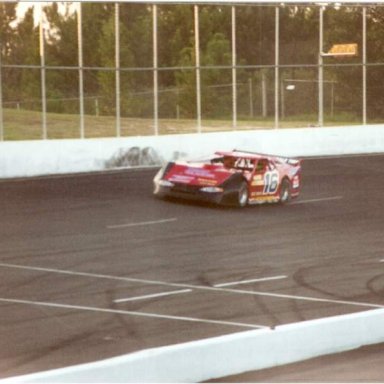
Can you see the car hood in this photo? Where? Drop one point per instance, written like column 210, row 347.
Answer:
column 197, row 174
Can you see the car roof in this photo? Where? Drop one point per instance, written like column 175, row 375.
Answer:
column 245, row 155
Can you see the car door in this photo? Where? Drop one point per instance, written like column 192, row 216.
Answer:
column 265, row 181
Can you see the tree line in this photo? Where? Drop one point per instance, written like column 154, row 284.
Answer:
column 255, row 51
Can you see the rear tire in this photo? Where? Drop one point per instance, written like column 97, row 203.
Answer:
column 242, row 195
column 285, row 191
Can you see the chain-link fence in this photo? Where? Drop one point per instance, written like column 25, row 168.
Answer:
column 192, row 68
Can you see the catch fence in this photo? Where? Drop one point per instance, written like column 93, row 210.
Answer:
column 256, row 65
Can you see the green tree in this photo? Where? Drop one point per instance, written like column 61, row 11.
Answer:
column 186, row 83
column 255, row 34
column 217, row 94
column 8, row 34
column 215, row 52
column 299, row 35
column 26, row 52
column 107, row 78
column 61, row 50
column 136, row 31
column 375, row 54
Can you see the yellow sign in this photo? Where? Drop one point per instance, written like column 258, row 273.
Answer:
column 343, row 49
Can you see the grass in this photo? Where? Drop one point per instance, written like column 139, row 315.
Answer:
column 27, row 125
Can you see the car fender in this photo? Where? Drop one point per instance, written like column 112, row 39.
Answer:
column 231, row 187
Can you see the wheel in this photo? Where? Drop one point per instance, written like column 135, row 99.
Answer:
column 285, row 191
column 242, row 196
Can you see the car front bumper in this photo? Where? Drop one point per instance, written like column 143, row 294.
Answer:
column 188, row 192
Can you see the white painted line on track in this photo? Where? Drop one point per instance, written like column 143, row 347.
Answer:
column 153, row 296
column 193, row 287
column 132, row 313
column 250, row 281
column 317, row 200
column 141, row 223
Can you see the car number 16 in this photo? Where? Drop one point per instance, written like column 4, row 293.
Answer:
column 271, row 182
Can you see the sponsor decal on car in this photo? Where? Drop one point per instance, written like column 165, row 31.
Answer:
column 206, row 181
column 199, row 172
column 180, row 178
column 263, row 199
column 258, row 180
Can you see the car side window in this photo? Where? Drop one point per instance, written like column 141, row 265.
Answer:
column 262, row 166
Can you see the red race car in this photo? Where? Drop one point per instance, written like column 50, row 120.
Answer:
column 236, row 177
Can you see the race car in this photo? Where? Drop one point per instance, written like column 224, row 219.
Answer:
column 234, row 177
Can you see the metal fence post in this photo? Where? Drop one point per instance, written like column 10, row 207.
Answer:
column 43, row 82
column 81, row 81
column 155, row 73
column 277, row 43
column 117, row 65
column 364, row 59
column 234, row 77
column 1, row 96
column 197, row 54
column 321, row 69
column 250, row 91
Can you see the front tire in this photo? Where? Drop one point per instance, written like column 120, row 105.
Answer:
column 243, row 195
column 285, row 191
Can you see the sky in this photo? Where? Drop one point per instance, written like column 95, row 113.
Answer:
column 23, row 6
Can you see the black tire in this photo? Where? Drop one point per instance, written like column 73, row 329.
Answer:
column 242, row 195
column 285, row 191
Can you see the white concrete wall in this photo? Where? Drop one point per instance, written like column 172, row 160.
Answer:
column 226, row 355
column 32, row 158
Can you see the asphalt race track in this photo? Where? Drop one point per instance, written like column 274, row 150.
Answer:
column 93, row 266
